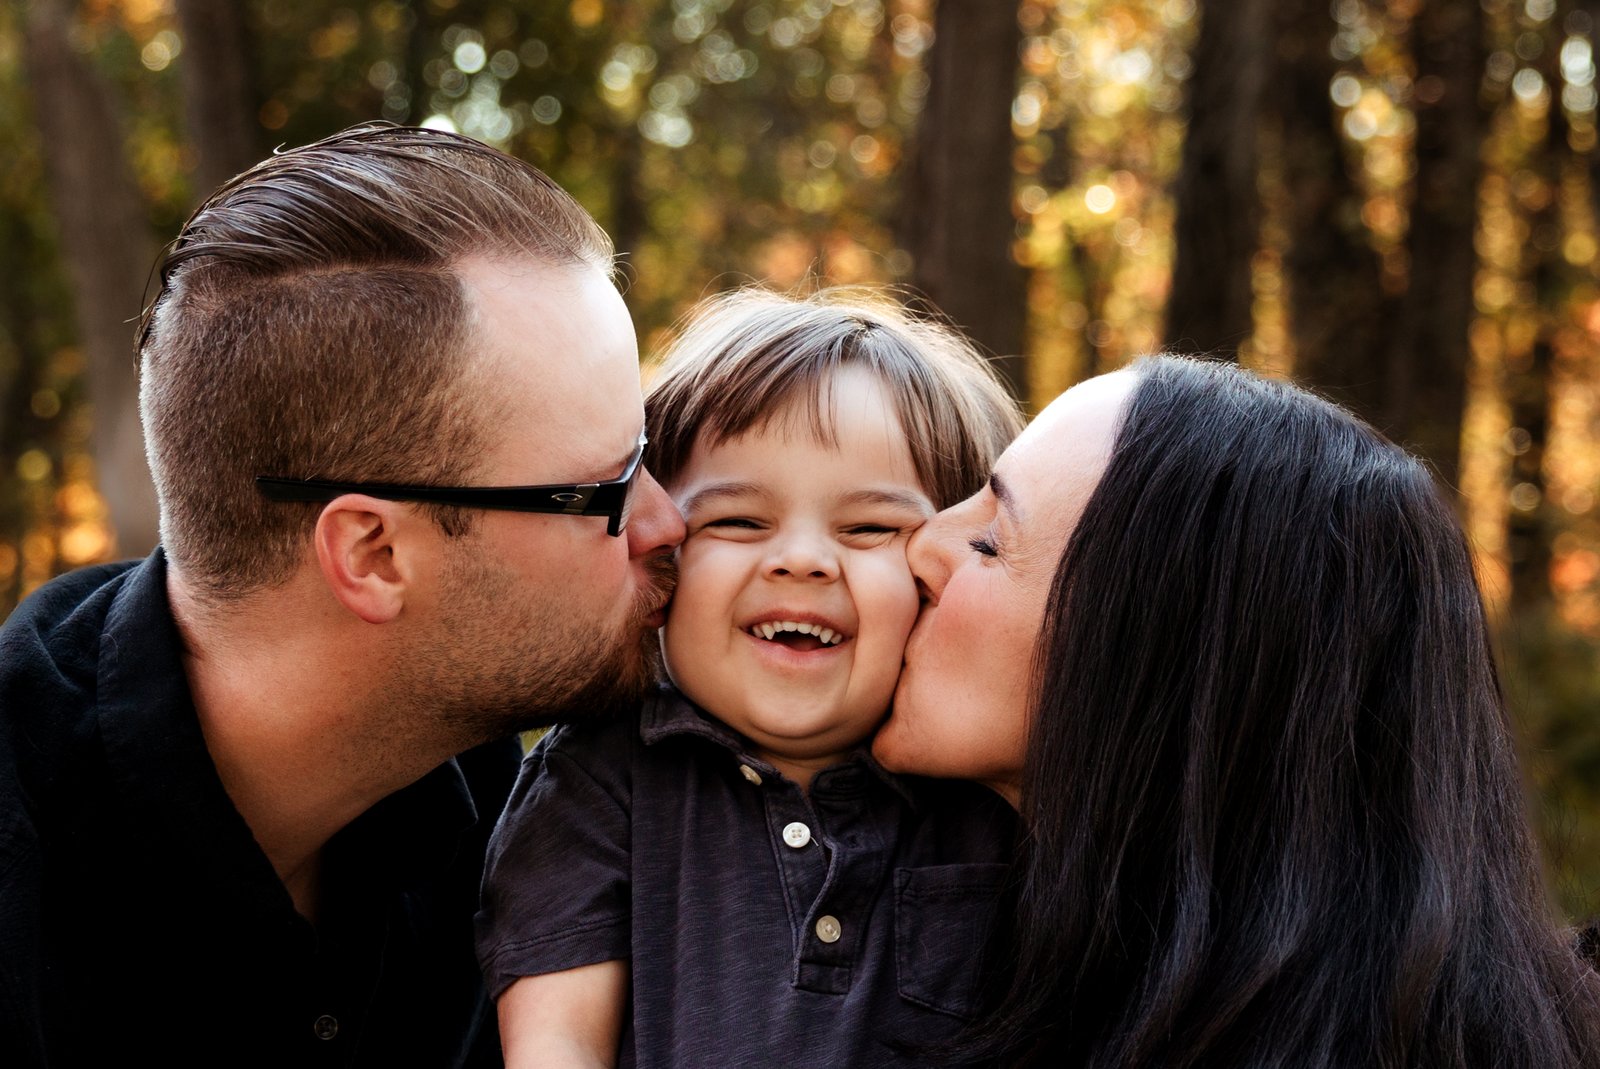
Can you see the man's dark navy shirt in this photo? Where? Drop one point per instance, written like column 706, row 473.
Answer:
column 140, row 921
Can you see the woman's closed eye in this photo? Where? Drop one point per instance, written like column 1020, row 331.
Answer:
column 985, row 545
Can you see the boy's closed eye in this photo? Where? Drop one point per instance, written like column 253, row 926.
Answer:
column 853, row 534
column 875, row 533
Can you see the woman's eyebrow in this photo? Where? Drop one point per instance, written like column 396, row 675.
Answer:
column 721, row 491
column 1002, row 494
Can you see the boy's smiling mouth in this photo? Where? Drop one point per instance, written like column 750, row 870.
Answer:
column 799, row 635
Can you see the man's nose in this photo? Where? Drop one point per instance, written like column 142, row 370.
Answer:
column 654, row 524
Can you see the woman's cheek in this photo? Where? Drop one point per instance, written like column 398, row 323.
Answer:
column 964, row 676
column 911, row 740
column 889, row 744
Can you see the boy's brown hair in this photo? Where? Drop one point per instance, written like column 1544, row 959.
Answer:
column 310, row 324
column 746, row 357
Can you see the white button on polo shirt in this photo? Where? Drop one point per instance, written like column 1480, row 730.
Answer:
column 797, row 835
column 828, row 929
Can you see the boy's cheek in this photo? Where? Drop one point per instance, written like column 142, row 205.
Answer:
column 891, row 617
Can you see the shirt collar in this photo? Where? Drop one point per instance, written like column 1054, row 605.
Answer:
column 667, row 714
column 164, row 777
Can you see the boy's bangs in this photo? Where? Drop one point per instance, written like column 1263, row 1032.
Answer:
column 753, row 360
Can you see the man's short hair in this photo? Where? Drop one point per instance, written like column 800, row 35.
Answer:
column 310, row 324
column 748, row 357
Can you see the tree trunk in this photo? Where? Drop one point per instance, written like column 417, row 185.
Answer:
column 1336, row 301
column 219, row 98
column 1530, row 376
column 628, row 219
column 1591, row 8
column 957, row 220
column 1218, row 228
column 1528, row 528
column 108, row 249
column 19, row 317
column 1429, row 351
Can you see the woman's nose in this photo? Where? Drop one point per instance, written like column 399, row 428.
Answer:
column 803, row 555
column 927, row 556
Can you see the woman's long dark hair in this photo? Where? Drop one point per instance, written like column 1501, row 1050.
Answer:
column 1275, row 817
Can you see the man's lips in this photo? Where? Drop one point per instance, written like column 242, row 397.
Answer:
column 661, row 573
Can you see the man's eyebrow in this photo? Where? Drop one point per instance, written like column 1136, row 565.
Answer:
column 614, row 468
column 894, row 498
column 721, row 491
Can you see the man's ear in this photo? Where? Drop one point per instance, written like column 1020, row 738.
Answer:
column 361, row 550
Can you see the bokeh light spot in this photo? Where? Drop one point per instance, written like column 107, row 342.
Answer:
column 469, row 57
column 33, row 465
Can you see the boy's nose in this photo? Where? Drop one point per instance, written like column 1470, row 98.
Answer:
column 803, row 557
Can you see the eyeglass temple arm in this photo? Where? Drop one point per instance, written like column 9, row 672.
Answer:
column 587, row 499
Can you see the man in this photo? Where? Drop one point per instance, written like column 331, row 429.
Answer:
column 234, row 825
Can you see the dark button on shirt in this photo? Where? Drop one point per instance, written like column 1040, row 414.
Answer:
column 139, row 920
column 667, row 842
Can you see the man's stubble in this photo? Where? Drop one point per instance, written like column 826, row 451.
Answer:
column 507, row 659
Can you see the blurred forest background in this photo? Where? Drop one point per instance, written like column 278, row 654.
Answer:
column 1393, row 202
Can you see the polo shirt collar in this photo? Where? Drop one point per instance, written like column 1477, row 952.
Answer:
column 667, row 714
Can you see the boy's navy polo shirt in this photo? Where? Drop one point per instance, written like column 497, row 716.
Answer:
column 762, row 928
column 139, row 920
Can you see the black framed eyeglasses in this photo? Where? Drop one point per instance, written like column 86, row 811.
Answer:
column 612, row 498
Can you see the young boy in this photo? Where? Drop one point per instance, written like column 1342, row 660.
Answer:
column 773, row 896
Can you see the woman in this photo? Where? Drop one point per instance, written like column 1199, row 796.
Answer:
column 1273, row 811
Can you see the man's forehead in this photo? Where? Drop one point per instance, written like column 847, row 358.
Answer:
column 559, row 355
column 559, row 313
column 507, row 284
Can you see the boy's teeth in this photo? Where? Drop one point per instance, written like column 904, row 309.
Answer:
column 827, row 635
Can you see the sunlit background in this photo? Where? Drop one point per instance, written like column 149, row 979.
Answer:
column 794, row 142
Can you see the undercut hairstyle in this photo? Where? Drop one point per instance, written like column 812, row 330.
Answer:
column 1274, row 816
column 310, row 324
column 752, row 356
